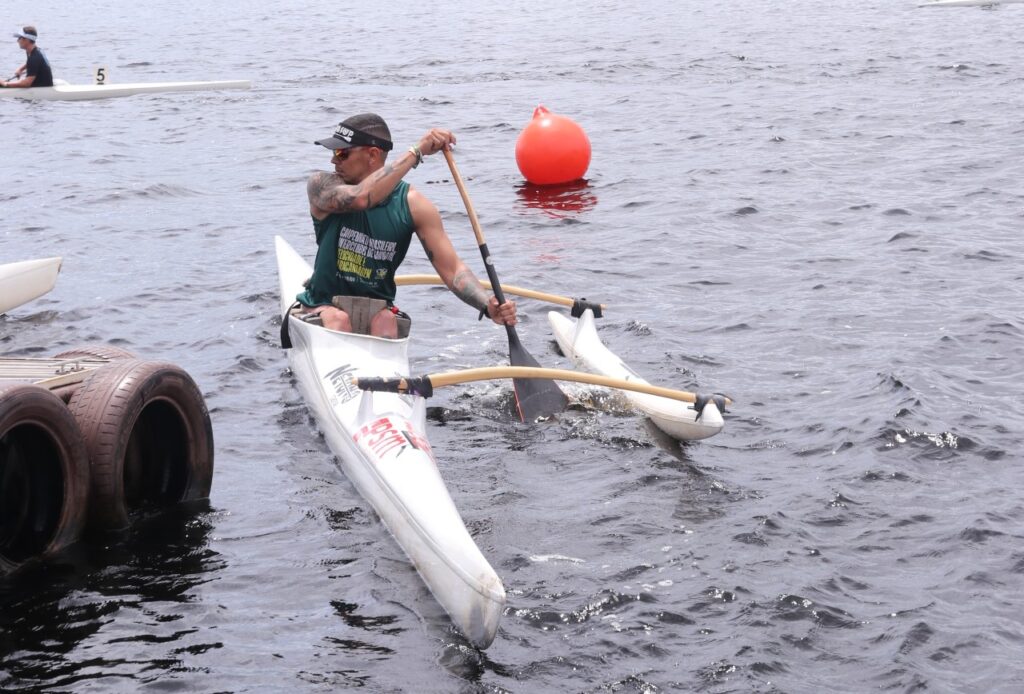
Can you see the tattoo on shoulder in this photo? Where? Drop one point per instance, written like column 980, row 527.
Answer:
column 316, row 184
column 328, row 192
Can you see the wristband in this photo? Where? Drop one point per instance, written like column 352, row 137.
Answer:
column 418, row 154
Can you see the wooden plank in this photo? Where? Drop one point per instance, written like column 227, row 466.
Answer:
column 49, row 373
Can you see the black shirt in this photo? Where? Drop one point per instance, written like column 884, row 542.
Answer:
column 38, row 65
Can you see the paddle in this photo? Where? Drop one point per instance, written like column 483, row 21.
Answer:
column 424, row 385
column 578, row 305
column 536, row 397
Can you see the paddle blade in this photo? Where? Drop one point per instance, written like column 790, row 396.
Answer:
column 535, row 397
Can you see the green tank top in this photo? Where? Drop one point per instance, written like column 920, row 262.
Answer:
column 358, row 253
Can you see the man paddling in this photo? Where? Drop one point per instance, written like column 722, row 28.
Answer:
column 364, row 218
column 36, row 68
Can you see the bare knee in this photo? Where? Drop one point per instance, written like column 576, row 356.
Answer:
column 384, row 324
column 335, row 319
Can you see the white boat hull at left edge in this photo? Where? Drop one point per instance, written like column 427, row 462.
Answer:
column 579, row 342
column 24, row 281
column 381, row 443
column 86, row 92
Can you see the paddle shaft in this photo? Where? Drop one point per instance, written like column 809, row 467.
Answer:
column 534, row 399
column 492, row 274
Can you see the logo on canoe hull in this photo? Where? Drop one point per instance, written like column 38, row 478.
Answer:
column 340, row 381
column 386, row 438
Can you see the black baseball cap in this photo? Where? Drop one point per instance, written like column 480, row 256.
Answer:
column 363, row 130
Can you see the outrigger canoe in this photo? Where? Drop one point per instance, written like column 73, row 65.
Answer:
column 26, row 280
column 580, row 342
column 381, row 442
column 85, row 92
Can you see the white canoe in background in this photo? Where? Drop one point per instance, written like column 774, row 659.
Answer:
column 26, row 280
column 84, row 92
column 580, row 343
column 967, row 3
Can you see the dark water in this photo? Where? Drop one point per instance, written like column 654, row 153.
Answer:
column 813, row 207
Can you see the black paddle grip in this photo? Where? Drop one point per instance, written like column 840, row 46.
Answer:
column 420, row 386
column 492, row 274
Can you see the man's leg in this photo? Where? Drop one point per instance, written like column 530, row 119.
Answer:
column 331, row 317
column 384, row 324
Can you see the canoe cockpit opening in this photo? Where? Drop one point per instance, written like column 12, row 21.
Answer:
column 361, row 312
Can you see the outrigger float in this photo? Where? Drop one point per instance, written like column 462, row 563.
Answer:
column 684, row 420
column 681, row 415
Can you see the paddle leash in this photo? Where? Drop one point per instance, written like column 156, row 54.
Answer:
column 535, row 397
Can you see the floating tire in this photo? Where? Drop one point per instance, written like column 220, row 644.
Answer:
column 44, row 476
column 148, row 437
column 108, row 352
column 102, row 352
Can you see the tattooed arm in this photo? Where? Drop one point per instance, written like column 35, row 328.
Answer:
column 328, row 192
column 442, row 255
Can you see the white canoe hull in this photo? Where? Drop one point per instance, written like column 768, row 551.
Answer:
column 85, row 92
column 579, row 342
column 381, row 444
column 26, row 280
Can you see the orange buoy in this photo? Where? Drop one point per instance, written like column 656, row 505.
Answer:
column 552, row 149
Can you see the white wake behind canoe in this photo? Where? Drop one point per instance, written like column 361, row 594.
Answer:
column 381, row 443
column 85, row 92
column 579, row 342
column 24, row 281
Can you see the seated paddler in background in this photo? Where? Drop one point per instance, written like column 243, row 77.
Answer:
column 364, row 217
column 36, row 68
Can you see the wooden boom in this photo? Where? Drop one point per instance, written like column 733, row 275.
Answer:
column 424, row 385
column 406, row 280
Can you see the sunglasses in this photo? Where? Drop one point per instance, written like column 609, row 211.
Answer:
column 343, row 154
